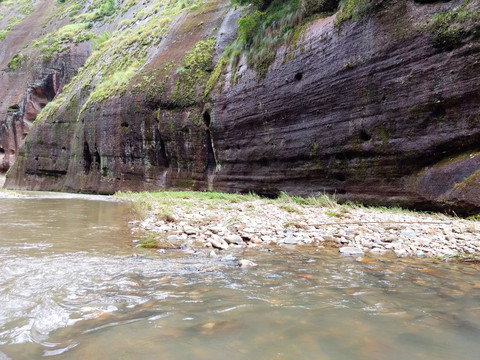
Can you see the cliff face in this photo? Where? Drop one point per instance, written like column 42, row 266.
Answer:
column 380, row 104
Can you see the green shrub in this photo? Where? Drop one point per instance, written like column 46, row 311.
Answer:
column 16, row 61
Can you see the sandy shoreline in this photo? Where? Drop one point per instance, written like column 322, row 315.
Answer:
column 258, row 223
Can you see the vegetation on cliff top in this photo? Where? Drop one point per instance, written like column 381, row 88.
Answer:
column 269, row 24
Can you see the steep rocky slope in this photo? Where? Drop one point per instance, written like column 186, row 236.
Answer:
column 379, row 101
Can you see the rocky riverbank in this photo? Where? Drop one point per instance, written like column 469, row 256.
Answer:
column 223, row 221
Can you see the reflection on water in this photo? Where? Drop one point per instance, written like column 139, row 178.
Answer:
column 71, row 289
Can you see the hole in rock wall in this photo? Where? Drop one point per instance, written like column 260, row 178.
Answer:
column 2, row 150
column 298, row 76
column 87, row 158
column 439, row 110
column 364, row 136
column 340, row 177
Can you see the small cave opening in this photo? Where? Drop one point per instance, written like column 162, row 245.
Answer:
column 87, row 158
column 124, row 124
column 207, row 118
column 364, row 136
column 298, row 76
column 340, row 177
column 2, row 150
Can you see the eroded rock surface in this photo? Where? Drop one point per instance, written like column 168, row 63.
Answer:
column 383, row 109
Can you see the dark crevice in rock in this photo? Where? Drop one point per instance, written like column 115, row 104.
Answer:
column 207, row 118
column 364, row 136
column 87, row 158
column 97, row 159
column 347, row 155
column 51, row 173
column 298, row 76
column 160, row 151
column 211, row 161
column 340, row 177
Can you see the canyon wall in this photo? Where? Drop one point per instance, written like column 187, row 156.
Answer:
column 381, row 107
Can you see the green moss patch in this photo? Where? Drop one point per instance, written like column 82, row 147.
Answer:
column 195, row 70
column 451, row 27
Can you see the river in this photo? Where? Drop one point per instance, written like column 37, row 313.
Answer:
column 74, row 286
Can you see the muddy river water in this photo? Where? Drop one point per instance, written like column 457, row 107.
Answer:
column 74, row 286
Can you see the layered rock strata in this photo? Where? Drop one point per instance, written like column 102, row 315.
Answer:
column 382, row 108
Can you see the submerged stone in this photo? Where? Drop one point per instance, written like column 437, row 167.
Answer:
column 351, row 251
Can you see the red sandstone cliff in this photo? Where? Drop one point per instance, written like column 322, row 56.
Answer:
column 383, row 109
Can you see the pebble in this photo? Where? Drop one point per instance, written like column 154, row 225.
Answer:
column 378, row 251
column 234, row 239
column 229, row 257
column 291, row 240
column 247, row 263
column 351, row 251
column 219, row 244
column 172, row 238
column 189, row 230
column 400, row 252
column 407, row 232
